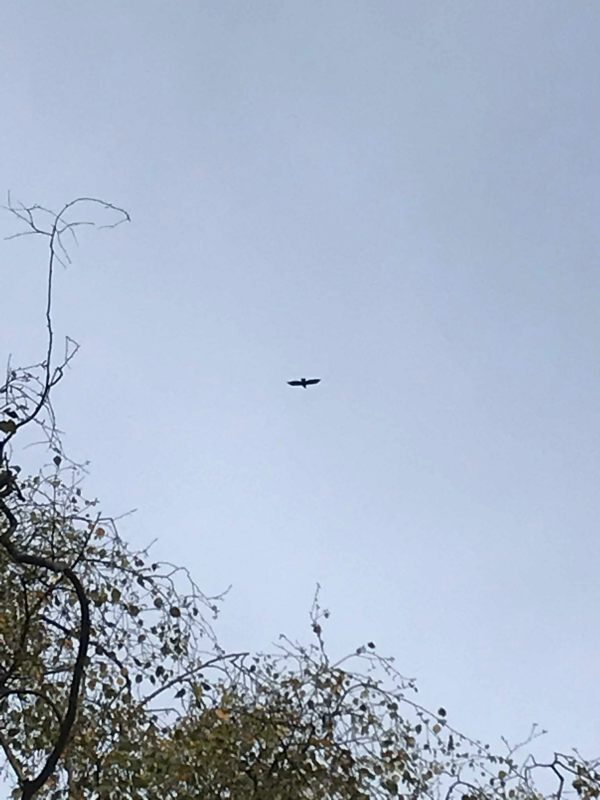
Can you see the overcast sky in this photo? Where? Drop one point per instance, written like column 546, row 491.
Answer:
column 401, row 198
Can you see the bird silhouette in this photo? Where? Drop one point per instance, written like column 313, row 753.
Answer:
column 304, row 382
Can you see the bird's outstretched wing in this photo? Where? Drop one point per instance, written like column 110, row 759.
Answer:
column 304, row 382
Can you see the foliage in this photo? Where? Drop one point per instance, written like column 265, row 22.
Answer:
column 113, row 685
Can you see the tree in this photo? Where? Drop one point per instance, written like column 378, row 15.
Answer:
column 112, row 681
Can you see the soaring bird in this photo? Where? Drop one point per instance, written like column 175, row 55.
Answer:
column 304, row 382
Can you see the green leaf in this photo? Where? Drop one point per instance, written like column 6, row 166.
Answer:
column 7, row 426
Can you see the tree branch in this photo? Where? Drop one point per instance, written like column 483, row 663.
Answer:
column 30, row 787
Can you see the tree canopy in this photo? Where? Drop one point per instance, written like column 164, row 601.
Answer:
column 112, row 680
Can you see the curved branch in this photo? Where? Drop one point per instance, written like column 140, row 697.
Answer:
column 188, row 674
column 36, row 693
column 30, row 787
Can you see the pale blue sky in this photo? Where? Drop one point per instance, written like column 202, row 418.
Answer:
column 400, row 197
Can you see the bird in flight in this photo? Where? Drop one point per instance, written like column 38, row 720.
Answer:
column 304, row 382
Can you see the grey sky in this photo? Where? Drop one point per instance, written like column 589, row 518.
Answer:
column 399, row 197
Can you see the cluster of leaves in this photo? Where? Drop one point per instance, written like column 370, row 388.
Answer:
column 144, row 631
column 294, row 725
column 113, row 685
